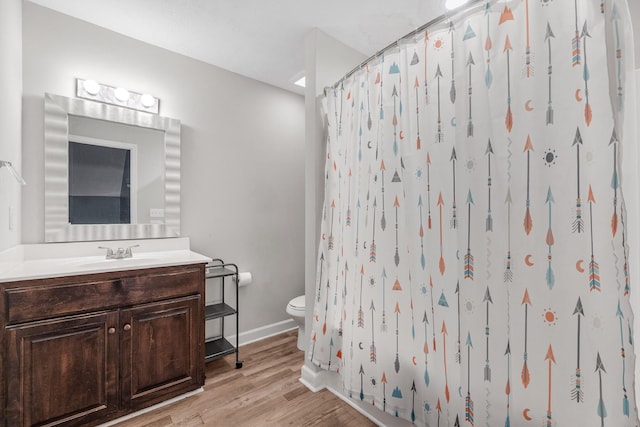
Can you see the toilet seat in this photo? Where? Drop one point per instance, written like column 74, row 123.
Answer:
column 297, row 305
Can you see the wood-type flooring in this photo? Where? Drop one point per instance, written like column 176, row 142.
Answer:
column 265, row 392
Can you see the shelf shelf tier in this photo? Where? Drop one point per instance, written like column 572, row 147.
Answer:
column 217, row 348
column 216, row 271
column 215, row 311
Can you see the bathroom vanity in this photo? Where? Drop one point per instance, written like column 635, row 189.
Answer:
column 87, row 333
column 107, row 339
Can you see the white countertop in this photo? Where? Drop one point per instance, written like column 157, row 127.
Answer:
column 25, row 262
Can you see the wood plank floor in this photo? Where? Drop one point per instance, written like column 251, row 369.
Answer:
column 265, row 392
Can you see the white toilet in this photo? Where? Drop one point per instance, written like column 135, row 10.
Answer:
column 296, row 309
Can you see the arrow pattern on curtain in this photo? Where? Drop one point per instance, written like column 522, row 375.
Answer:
column 512, row 227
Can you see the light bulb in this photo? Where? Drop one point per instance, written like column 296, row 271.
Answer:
column 91, row 86
column 122, row 94
column 147, row 100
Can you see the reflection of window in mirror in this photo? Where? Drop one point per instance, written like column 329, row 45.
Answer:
column 102, row 181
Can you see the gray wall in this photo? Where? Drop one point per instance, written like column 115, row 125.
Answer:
column 242, row 149
column 10, row 117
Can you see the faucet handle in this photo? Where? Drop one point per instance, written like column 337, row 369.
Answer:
column 109, row 251
column 128, row 252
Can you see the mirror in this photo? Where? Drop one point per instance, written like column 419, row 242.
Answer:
column 111, row 173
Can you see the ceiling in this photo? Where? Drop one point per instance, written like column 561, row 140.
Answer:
column 260, row 39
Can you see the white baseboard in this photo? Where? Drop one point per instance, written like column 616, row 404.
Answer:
column 313, row 378
column 257, row 334
column 376, row 416
column 316, row 380
column 152, row 408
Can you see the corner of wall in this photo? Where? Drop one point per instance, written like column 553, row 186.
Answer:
column 10, row 120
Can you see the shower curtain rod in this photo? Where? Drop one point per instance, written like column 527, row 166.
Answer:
column 431, row 23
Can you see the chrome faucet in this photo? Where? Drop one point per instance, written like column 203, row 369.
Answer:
column 119, row 253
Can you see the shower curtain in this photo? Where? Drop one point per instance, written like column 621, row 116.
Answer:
column 473, row 267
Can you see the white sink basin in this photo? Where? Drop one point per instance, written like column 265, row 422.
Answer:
column 138, row 260
column 67, row 259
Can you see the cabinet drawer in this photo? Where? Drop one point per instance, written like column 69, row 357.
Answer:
column 42, row 302
column 162, row 285
column 44, row 299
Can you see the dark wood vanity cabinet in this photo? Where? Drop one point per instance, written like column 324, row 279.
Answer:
column 85, row 349
column 154, row 361
column 61, row 371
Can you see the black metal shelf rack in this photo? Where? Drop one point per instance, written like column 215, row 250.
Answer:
column 219, row 346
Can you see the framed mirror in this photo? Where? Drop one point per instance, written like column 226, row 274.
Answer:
column 111, row 173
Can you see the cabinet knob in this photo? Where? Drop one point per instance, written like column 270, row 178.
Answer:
column 127, row 327
column 112, row 330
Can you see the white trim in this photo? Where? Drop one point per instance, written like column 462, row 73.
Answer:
column 257, row 334
column 317, row 380
column 152, row 408
column 375, row 415
column 314, row 380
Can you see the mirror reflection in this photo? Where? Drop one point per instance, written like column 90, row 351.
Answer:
column 100, row 183
column 116, row 174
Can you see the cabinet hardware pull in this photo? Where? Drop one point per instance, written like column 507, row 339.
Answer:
column 112, row 330
column 127, row 327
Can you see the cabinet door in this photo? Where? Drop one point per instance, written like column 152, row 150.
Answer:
column 62, row 372
column 161, row 351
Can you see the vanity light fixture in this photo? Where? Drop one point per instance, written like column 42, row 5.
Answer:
column 15, row 173
column 90, row 89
